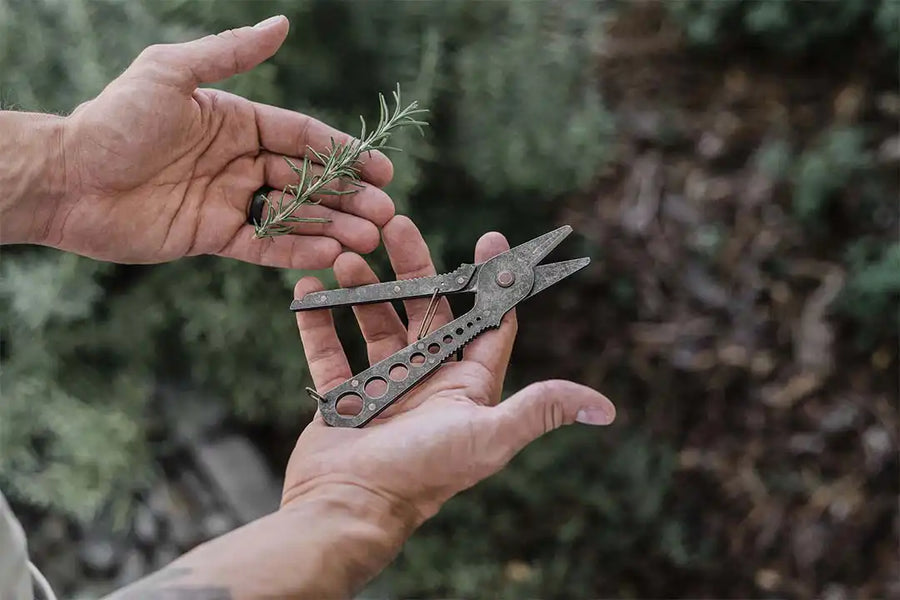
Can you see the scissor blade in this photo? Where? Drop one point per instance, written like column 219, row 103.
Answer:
column 547, row 275
column 535, row 250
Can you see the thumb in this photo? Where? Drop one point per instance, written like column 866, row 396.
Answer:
column 547, row 405
column 216, row 57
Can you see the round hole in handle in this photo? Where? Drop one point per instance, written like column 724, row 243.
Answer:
column 434, row 348
column 398, row 372
column 459, row 331
column 417, row 359
column 375, row 387
column 349, row 405
column 448, row 339
column 469, row 324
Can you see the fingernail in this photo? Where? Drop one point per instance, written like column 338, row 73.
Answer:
column 594, row 416
column 268, row 22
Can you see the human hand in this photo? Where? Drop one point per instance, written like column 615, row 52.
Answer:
column 157, row 168
column 353, row 496
column 446, row 434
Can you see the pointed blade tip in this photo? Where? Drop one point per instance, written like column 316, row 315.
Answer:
column 563, row 231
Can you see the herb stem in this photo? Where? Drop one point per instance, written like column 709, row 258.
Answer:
column 339, row 163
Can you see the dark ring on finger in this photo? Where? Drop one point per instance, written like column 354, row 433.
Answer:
column 257, row 203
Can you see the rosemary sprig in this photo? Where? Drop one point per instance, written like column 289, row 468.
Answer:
column 339, row 163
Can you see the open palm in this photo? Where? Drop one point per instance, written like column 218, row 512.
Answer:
column 446, row 434
column 157, row 168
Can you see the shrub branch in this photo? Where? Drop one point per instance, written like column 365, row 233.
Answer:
column 341, row 162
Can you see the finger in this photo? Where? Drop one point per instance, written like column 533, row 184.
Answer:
column 547, row 405
column 410, row 258
column 286, row 251
column 381, row 327
column 367, row 201
column 214, row 57
column 289, row 133
column 353, row 232
column 325, row 356
column 493, row 347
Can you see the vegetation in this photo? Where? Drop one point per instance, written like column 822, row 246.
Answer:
column 338, row 164
column 713, row 229
column 788, row 27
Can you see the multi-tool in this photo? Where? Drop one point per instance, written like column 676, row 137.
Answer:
column 498, row 283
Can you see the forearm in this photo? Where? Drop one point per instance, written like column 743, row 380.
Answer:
column 326, row 544
column 32, row 174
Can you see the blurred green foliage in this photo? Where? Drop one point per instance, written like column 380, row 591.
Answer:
column 829, row 166
column 554, row 524
column 517, row 122
column 872, row 295
column 510, row 97
column 786, row 27
column 836, row 185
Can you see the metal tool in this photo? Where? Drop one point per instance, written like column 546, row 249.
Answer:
column 499, row 284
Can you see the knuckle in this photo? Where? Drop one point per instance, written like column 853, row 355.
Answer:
column 303, row 137
column 382, row 335
column 425, row 268
column 153, row 53
column 227, row 35
column 325, row 354
column 547, row 409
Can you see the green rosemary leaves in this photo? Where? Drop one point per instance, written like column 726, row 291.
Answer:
column 339, row 163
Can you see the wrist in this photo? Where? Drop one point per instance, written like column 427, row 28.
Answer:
column 388, row 515
column 32, row 175
column 363, row 527
column 327, row 541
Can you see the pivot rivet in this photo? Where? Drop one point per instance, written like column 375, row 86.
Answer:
column 505, row 278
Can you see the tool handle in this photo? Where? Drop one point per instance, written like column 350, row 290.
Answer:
column 397, row 374
column 403, row 289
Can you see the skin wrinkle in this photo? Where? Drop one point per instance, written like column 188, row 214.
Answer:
column 43, row 232
column 384, row 335
column 225, row 201
column 228, row 36
column 324, row 354
column 460, row 377
column 330, row 479
column 555, row 415
column 69, row 209
column 257, row 127
column 426, row 270
column 161, row 56
column 487, row 374
column 208, row 115
column 303, row 135
column 181, row 206
column 261, row 250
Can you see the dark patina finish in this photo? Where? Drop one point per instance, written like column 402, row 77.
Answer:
column 499, row 284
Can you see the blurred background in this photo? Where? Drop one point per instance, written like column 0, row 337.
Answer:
column 730, row 166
